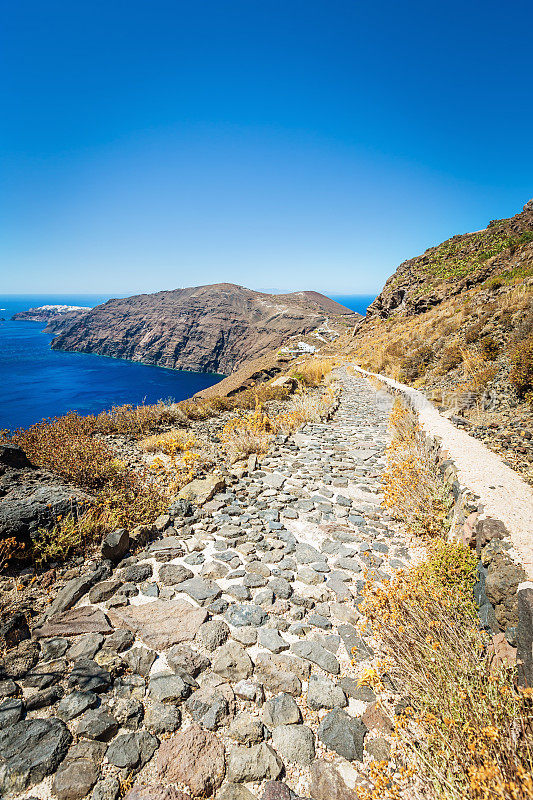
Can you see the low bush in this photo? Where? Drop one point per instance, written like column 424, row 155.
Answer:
column 248, row 434
column 415, row 365
column 467, row 733
column 521, row 374
column 451, row 358
column 169, row 442
column 312, row 372
column 412, row 485
column 490, row 348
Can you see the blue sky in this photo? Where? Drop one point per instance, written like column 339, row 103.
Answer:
column 280, row 145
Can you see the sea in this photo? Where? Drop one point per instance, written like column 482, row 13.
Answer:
column 37, row 382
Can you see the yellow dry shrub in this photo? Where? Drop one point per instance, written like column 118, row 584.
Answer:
column 412, row 486
column 313, row 371
column 169, row 442
column 468, row 732
column 249, row 433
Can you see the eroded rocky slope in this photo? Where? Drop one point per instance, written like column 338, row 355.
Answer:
column 207, row 328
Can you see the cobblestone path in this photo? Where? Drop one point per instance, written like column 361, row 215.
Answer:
column 221, row 658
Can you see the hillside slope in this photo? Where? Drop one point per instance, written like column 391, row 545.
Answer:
column 457, row 322
column 206, row 328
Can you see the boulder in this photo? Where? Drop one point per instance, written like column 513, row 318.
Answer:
column 79, row 771
column 202, row 490
column 115, row 545
column 294, row 743
column 253, row 763
column 343, row 734
column 86, row 619
column 327, row 783
column 161, row 623
column 193, row 757
column 30, row 750
column 155, row 791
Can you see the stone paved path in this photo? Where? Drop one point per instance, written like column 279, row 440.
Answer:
column 241, row 623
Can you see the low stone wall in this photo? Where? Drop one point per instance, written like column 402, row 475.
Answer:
column 503, row 592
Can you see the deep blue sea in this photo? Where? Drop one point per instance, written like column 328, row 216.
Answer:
column 37, row 382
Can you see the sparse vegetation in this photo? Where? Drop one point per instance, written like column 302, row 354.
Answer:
column 412, row 485
column 466, row 733
column 521, row 375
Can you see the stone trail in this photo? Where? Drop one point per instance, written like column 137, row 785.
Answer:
column 219, row 660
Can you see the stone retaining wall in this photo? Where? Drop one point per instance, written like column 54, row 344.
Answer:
column 503, row 593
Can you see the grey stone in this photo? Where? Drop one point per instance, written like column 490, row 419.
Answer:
column 247, row 635
column 352, row 689
column 136, row 573
column 106, row 789
column 79, row 771
column 128, row 712
column 266, row 637
column 170, row 574
column 281, row 710
column 294, row 743
column 323, row 693
column 30, row 750
column 241, row 615
column 44, row 698
column 97, row 723
column 88, row 676
column 343, row 734
column 209, row 707
column 74, row 591
column 140, row 659
column 118, row 641
column 85, row 647
column 253, row 763
column 318, row 655
column 181, row 657
column 104, row 590
column 203, row 591
column 53, row 648
column 11, row 711
column 46, row 673
column 212, row 634
column 168, row 688
column 162, row 718
column 378, row 748
column 75, row 703
column 246, row 729
column 232, row 662
column 132, row 750
column 115, row 545
column 355, row 646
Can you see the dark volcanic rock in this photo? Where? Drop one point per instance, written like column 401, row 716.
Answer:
column 29, row 750
column 205, row 328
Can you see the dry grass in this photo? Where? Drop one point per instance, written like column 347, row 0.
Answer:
column 169, row 442
column 412, row 485
column 467, row 734
column 312, row 372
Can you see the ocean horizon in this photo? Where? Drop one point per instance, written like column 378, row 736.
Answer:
column 39, row 382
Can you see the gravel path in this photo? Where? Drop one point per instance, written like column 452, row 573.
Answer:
column 222, row 656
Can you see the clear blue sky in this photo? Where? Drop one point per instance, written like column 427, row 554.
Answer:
column 289, row 144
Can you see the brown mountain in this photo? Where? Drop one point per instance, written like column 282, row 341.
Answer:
column 212, row 328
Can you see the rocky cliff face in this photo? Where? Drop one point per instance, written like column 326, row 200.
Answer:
column 206, row 328
column 458, row 264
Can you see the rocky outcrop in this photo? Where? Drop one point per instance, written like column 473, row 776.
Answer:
column 31, row 498
column 456, row 265
column 205, row 329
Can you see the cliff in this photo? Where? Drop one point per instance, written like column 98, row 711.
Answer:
column 458, row 264
column 206, row 328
